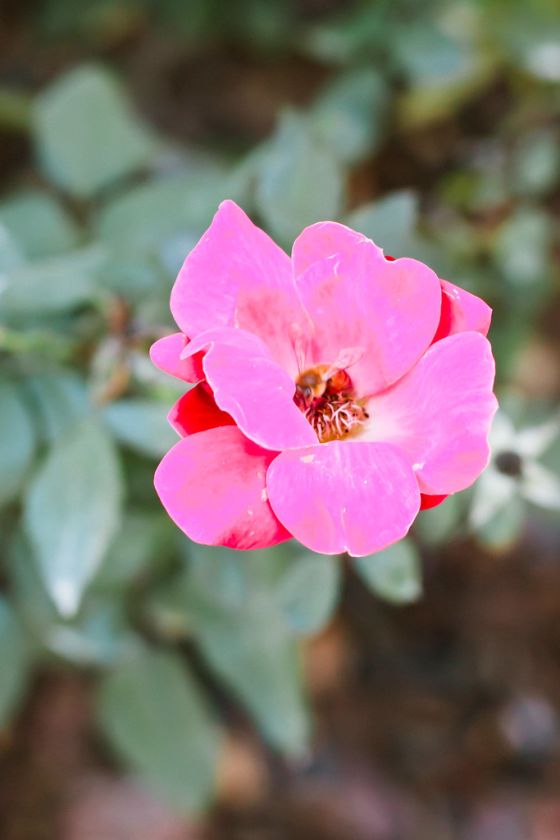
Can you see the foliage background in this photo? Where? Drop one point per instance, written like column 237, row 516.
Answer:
column 154, row 688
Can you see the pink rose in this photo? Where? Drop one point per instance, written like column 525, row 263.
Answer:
column 335, row 390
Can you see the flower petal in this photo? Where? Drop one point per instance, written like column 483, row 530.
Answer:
column 237, row 276
column 197, row 411
column 427, row 502
column 461, row 311
column 540, row 486
column 323, row 240
column 440, row 413
column 250, row 386
column 165, row 353
column 344, row 496
column 491, row 494
column 356, row 298
column 212, row 485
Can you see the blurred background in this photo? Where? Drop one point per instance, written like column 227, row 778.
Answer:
column 151, row 689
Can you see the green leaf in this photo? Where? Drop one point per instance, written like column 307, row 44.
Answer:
column 300, row 181
column 349, row 116
column 505, row 527
column 58, row 400
column 144, row 217
column 86, row 134
column 17, row 441
column 536, row 164
column 29, row 595
column 308, row 591
column 143, row 540
column 255, row 655
column 15, row 662
column 394, row 573
column 53, row 285
column 10, row 254
column 142, row 425
column 428, row 55
column 100, row 635
column 155, row 718
column 38, row 224
column 231, row 599
column 72, row 512
column 390, row 222
column 440, row 523
column 522, row 250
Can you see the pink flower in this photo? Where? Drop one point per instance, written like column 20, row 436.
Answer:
column 335, row 390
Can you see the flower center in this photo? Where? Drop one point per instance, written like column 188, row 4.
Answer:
column 326, row 397
column 509, row 463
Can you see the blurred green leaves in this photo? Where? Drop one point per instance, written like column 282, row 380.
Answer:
column 402, row 110
column 86, row 134
column 242, row 610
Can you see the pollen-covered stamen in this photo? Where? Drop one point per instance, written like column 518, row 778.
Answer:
column 327, row 399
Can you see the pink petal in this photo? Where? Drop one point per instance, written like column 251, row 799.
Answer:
column 322, row 240
column 440, row 413
column 344, row 496
column 165, row 353
column 357, row 299
column 237, row 276
column 212, row 485
column 252, row 388
column 197, row 411
column 461, row 311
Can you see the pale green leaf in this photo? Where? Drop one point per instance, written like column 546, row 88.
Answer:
column 232, row 601
column 504, row 528
column 17, row 441
column 429, row 56
column 72, row 512
column 394, row 574
column 52, row 285
column 15, row 662
column 308, row 591
column 142, row 425
column 145, row 217
column 522, row 250
column 258, row 659
column 440, row 523
column 349, row 115
column 144, row 539
column 38, row 224
column 59, row 401
column 536, row 164
column 390, row 221
column 28, row 591
column 86, row 134
column 155, row 718
column 10, row 253
column 100, row 635
column 300, row 181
